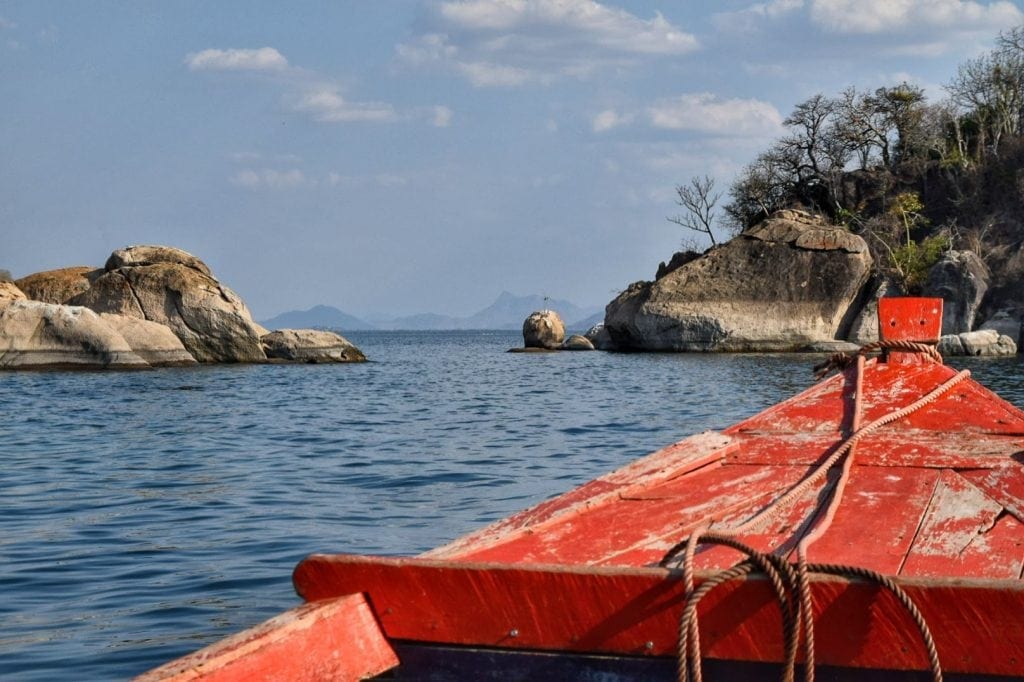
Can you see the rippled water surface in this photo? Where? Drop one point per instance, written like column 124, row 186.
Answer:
column 146, row 514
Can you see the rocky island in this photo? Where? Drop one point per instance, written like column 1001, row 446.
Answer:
column 148, row 306
column 793, row 283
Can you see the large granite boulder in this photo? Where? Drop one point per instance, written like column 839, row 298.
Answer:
column 960, row 279
column 153, row 342
column 9, row 291
column 46, row 335
column 309, row 345
column 173, row 288
column 788, row 282
column 543, row 329
column 58, row 286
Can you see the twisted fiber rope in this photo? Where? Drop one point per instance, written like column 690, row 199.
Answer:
column 803, row 579
column 844, row 360
column 797, row 612
column 781, row 576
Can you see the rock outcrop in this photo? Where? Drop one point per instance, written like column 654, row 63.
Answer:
column 153, row 342
column 599, row 337
column 787, row 283
column 960, row 279
column 309, row 345
column 987, row 342
column 1006, row 322
column 9, row 291
column 58, row 286
column 173, row 288
column 157, row 306
column 36, row 335
column 864, row 329
column 543, row 329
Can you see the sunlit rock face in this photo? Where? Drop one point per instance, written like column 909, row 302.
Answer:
column 790, row 282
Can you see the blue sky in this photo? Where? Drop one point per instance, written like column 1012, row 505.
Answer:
column 398, row 157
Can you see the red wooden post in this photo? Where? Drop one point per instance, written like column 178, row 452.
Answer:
column 909, row 319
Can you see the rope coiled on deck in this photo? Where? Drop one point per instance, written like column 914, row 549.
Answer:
column 792, row 585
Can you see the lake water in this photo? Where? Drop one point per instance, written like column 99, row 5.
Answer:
column 147, row 514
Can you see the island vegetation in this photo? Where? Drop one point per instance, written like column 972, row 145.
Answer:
column 914, row 178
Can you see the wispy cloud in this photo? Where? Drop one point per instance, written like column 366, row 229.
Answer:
column 608, row 119
column 325, row 103
column 6, row 23
column 260, row 59
column 270, row 178
column 510, row 43
column 923, row 28
column 306, row 92
column 707, row 113
column 894, row 16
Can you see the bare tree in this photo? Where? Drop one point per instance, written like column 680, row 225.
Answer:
column 699, row 202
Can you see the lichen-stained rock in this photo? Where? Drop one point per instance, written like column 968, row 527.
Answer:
column 789, row 282
column 9, row 291
column 309, row 345
column 58, row 286
column 153, row 342
column 543, row 329
column 47, row 335
column 960, row 279
column 173, row 288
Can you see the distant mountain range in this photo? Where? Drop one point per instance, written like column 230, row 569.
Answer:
column 507, row 312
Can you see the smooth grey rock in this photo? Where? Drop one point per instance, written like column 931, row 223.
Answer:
column 309, row 345
column 1005, row 321
column 173, row 288
column 987, row 343
column 543, row 329
column 36, row 335
column 786, row 283
column 153, row 342
column 960, row 279
column 864, row 329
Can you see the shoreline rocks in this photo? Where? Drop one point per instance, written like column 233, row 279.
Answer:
column 148, row 306
column 34, row 334
column 309, row 346
column 788, row 283
column 981, row 343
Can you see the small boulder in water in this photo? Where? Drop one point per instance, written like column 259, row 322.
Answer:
column 577, row 342
column 309, row 345
column 543, row 329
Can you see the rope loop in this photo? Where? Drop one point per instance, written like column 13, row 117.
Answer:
column 792, row 584
column 841, row 361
